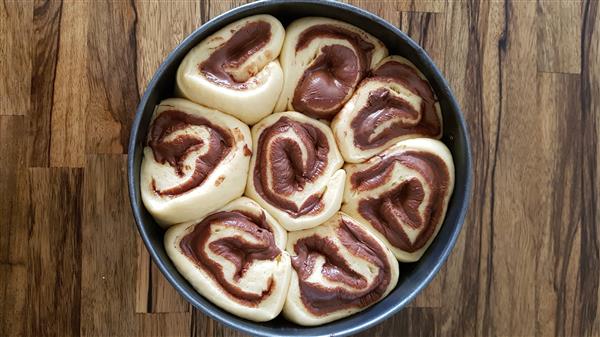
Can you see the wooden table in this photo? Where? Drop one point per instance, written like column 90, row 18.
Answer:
column 526, row 74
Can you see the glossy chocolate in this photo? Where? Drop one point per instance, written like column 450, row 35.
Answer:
column 174, row 150
column 382, row 106
column 398, row 207
column 234, row 52
column 330, row 79
column 282, row 157
column 236, row 249
column 321, row 300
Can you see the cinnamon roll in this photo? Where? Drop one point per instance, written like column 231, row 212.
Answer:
column 401, row 195
column 236, row 69
column 339, row 268
column 196, row 161
column 295, row 170
column 235, row 258
column 323, row 60
column 394, row 103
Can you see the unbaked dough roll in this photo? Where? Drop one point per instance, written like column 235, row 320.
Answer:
column 196, row 160
column 402, row 194
column 339, row 268
column 236, row 69
column 323, row 61
column 394, row 103
column 295, row 170
column 235, row 258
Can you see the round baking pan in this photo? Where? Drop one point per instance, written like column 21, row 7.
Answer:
column 413, row 276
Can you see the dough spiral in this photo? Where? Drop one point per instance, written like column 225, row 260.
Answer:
column 402, row 194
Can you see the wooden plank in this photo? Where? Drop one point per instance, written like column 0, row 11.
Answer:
column 587, row 292
column 211, row 8
column 519, row 169
column 108, row 250
column 431, row 296
column 427, row 29
column 15, row 68
column 161, row 26
column 410, row 322
column 558, row 268
column 54, row 265
column 13, row 200
column 559, row 36
column 13, row 226
column 13, row 295
column 46, row 27
column 202, row 325
column 167, row 325
column 384, row 9
column 154, row 294
column 71, row 94
column 389, row 7
column 112, row 76
column 434, row 6
column 143, row 279
column 472, row 69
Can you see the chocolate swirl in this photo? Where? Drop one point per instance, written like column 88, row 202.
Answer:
column 319, row 299
column 382, row 106
column 394, row 103
column 170, row 145
column 401, row 208
column 340, row 269
column 244, row 43
column 326, row 84
column 323, row 62
column 285, row 165
column 236, row 249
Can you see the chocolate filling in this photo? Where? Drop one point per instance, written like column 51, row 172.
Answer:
column 382, row 106
column 232, row 54
column 399, row 206
column 321, row 300
column 174, row 151
column 291, row 172
column 330, row 79
column 235, row 249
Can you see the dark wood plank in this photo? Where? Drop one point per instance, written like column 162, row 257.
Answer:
column 202, row 325
column 587, row 321
column 46, row 28
column 15, row 53
column 410, row 322
column 559, row 36
column 112, row 68
column 108, row 250
column 166, row 324
column 14, row 232
column 71, row 93
column 54, row 265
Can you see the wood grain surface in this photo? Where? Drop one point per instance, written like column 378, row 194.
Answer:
column 526, row 74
